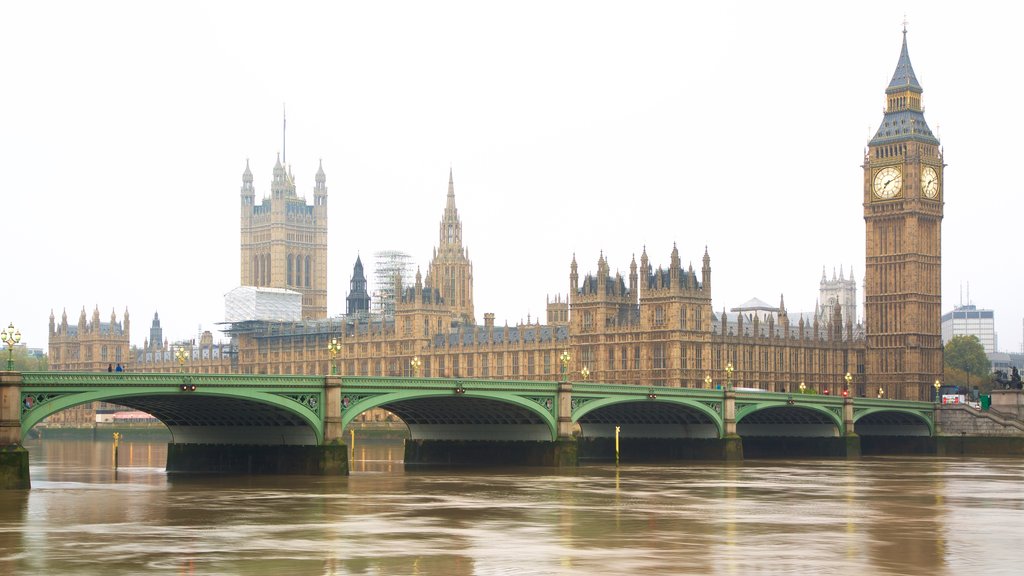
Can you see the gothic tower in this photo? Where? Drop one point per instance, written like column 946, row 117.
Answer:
column 358, row 300
column 903, row 199
column 450, row 271
column 284, row 239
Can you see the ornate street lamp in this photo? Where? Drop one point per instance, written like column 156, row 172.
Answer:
column 334, row 347
column 585, row 372
column 707, row 381
column 848, row 378
column 728, row 372
column 937, row 385
column 803, row 388
column 181, row 354
column 416, row 363
column 880, row 392
column 10, row 336
column 564, row 358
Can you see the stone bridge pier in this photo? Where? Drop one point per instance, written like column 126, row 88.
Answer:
column 13, row 456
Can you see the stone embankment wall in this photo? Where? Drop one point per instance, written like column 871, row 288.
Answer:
column 958, row 420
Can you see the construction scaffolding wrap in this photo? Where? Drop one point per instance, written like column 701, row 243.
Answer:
column 388, row 265
column 251, row 303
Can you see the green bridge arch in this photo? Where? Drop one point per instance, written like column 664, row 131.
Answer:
column 296, row 402
column 587, row 406
column 830, row 413
column 359, row 395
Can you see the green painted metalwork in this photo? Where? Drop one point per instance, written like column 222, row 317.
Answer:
column 359, row 394
column 588, row 397
column 45, row 393
column 923, row 411
column 748, row 403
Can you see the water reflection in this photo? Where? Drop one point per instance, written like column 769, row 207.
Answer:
column 888, row 516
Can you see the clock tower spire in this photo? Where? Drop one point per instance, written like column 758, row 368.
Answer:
column 903, row 205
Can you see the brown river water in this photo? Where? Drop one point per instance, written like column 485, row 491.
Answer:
column 917, row 515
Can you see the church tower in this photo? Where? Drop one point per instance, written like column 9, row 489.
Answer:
column 284, row 239
column 358, row 300
column 450, row 271
column 903, row 200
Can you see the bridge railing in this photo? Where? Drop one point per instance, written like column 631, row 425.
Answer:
column 117, row 379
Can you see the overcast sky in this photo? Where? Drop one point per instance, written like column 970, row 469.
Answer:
column 571, row 127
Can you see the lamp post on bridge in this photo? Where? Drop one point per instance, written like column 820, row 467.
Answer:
column 181, row 354
column 728, row 372
column 10, row 336
column 416, row 364
column 585, row 372
column 880, row 392
column 848, row 378
column 707, row 381
column 564, row 358
column 803, row 387
column 938, row 384
column 334, row 347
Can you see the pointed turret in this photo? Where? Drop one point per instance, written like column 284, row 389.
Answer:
column 246, row 177
column 633, row 278
column 904, row 111
column 156, row 333
column 451, row 271
column 706, row 273
column 574, row 277
column 904, row 78
column 358, row 300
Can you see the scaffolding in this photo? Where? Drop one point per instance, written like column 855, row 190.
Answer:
column 389, row 264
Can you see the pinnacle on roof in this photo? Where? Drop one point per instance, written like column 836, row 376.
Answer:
column 904, row 78
column 247, row 175
column 320, row 176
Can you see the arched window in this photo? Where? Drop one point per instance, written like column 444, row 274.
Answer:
column 308, row 275
column 290, row 269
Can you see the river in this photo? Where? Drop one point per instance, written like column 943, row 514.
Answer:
column 872, row 516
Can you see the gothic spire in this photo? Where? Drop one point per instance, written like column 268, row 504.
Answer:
column 904, row 78
column 904, row 110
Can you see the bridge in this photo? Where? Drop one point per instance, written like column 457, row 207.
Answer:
column 295, row 424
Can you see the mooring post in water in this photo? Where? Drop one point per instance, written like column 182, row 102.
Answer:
column 117, row 437
column 352, row 441
column 616, row 445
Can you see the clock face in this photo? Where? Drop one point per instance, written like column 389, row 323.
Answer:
column 888, row 182
column 930, row 182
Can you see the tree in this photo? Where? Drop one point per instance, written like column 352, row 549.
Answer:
column 966, row 354
column 23, row 361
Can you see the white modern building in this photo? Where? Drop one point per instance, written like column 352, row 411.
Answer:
column 969, row 320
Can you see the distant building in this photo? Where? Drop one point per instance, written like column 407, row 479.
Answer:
column 839, row 290
column 284, row 239
column 89, row 346
column 970, row 321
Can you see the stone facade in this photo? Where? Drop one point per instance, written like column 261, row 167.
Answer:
column 284, row 239
column 89, row 346
column 903, row 209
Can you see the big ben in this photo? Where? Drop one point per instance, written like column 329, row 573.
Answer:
column 903, row 199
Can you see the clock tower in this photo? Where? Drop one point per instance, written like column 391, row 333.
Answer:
column 903, row 198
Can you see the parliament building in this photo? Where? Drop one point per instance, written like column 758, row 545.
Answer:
column 655, row 327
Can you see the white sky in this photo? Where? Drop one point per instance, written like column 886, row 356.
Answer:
column 572, row 127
